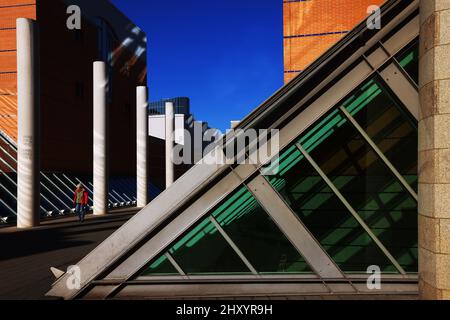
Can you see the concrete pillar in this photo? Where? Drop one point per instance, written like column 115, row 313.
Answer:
column 434, row 150
column 170, row 135
column 141, row 149
column 100, row 139
column 28, row 191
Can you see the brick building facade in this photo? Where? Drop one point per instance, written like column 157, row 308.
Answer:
column 311, row 27
column 66, row 58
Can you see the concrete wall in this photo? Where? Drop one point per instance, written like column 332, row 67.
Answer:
column 312, row 27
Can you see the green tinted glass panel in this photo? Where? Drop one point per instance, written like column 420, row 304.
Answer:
column 325, row 216
column 257, row 236
column 389, row 125
column 409, row 60
column 160, row 267
column 367, row 184
column 203, row 250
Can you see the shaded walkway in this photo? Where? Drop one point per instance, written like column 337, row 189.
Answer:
column 27, row 255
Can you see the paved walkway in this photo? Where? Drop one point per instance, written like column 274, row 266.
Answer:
column 27, row 255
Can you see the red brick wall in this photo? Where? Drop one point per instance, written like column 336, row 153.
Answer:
column 311, row 27
column 66, row 69
column 10, row 10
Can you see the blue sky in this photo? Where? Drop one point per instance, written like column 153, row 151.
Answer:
column 227, row 56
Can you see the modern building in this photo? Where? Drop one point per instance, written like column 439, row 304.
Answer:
column 312, row 27
column 186, row 131
column 184, row 120
column 66, row 93
column 182, row 105
column 360, row 188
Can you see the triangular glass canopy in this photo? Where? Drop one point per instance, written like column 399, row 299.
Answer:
column 340, row 201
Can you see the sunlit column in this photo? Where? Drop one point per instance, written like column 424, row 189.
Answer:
column 100, row 139
column 170, row 128
column 141, row 149
column 28, row 192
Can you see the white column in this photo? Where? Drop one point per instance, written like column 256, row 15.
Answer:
column 170, row 128
column 141, row 147
column 28, row 192
column 100, row 139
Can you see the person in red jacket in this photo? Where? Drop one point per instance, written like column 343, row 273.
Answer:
column 80, row 200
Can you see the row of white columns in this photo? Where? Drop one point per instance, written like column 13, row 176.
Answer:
column 28, row 183
column 101, row 142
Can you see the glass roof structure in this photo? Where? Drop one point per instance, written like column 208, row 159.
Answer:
column 343, row 199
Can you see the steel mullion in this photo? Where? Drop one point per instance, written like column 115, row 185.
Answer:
column 109, row 200
column 350, row 208
column 175, row 264
column 8, row 207
column 62, row 182
column 293, row 228
column 9, row 192
column 110, row 195
column 233, row 245
column 41, row 173
column 55, row 185
column 129, row 199
column 379, row 153
column 70, row 181
column 405, row 74
column 119, row 196
column 15, row 183
column 7, row 141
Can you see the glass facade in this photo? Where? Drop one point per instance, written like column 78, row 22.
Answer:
column 362, row 215
column 338, row 202
column 409, row 60
column 391, row 127
column 350, row 178
column 161, row 267
column 324, row 215
column 181, row 104
column 260, row 240
column 203, row 250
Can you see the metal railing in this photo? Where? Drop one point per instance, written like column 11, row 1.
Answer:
column 56, row 188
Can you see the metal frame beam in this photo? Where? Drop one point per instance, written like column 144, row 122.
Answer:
column 407, row 93
column 351, row 210
column 233, row 245
column 379, row 153
column 293, row 228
